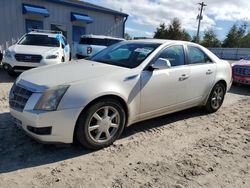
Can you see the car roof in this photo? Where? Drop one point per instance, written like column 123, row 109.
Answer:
column 100, row 37
column 164, row 41
column 44, row 33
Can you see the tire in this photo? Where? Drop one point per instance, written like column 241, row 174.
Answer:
column 12, row 73
column 93, row 124
column 216, row 98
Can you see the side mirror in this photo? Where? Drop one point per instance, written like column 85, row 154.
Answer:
column 161, row 63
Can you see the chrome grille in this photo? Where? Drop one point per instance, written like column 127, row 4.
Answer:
column 28, row 58
column 242, row 70
column 19, row 97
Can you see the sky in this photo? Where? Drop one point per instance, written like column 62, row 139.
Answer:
column 146, row 15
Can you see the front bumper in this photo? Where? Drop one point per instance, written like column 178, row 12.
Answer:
column 241, row 79
column 18, row 66
column 61, row 124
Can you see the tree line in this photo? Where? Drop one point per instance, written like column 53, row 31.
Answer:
column 237, row 36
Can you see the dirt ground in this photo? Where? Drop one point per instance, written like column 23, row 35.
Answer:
column 186, row 149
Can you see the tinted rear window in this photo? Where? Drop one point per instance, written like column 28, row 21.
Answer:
column 99, row 42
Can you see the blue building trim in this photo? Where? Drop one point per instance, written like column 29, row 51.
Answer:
column 34, row 9
column 84, row 6
column 81, row 17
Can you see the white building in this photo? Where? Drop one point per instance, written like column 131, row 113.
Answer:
column 74, row 18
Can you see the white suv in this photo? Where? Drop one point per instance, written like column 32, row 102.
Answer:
column 90, row 45
column 37, row 48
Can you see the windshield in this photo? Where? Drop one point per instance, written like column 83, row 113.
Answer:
column 125, row 54
column 247, row 58
column 39, row 40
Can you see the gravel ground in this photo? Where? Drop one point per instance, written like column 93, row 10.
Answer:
column 186, row 149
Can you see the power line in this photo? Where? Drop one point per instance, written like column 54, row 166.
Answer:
column 200, row 17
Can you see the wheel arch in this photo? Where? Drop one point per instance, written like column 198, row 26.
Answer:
column 223, row 82
column 107, row 96
column 219, row 81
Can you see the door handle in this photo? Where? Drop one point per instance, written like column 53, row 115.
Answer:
column 183, row 77
column 209, row 72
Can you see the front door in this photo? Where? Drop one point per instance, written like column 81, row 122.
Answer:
column 163, row 90
column 33, row 24
column 77, row 32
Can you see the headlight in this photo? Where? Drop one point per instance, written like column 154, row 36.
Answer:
column 52, row 56
column 8, row 54
column 51, row 98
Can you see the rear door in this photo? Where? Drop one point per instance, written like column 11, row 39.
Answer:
column 202, row 73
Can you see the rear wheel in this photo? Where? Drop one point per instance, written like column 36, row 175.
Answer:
column 12, row 73
column 101, row 124
column 216, row 98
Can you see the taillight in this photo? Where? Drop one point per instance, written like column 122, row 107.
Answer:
column 89, row 50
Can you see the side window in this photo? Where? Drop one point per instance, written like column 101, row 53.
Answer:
column 175, row 54
column 196, row 56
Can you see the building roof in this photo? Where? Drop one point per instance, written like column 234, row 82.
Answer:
column 89, row 6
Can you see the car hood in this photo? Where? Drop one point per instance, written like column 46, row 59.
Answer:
column 31, row 49
column 67, row 73
column 242, row 63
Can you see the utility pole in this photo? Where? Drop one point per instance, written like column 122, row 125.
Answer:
column 199, row 18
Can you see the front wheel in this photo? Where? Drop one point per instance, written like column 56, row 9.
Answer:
column 101, row 124
column 216, row 98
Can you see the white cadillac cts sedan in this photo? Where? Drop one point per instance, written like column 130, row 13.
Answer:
column 91, row 101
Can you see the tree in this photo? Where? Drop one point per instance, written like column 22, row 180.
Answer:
column 127, row 36
column 234, row 37
column 172, row 31
column 160, row 31
column 210, row 39
column 194, row 39
column 245, row 41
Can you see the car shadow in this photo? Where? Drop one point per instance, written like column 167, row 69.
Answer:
column 240, row 90
column 4, row 77
column 158, row 122
column 18, row 151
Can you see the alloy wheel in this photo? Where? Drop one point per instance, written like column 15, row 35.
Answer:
column 217, row 97
column 104, row 124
